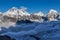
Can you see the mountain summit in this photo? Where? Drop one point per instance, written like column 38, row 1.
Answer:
column 53, row 11
column 16, row 11
column 52, row 15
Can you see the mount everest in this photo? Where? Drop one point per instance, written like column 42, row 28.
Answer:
column 21, row 25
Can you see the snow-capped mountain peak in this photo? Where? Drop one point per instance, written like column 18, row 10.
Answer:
column 15, row 12
column 23, row 11
column 53, row 11
column 13, row 9
column 52, row 16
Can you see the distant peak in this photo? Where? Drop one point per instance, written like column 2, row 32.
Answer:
column 53, row 11
column 13, row 9
column 40, row 12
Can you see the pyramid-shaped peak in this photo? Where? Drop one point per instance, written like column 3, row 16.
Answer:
column 13, row 9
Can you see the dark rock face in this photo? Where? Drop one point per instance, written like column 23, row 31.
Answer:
column 5, row 37
column 6, row 18
column 45, row 18
column 23, row 21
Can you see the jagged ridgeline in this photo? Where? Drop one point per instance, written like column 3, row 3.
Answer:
column 14, row 14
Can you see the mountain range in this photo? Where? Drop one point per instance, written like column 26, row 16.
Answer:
column 12, row 15
column 18, row 24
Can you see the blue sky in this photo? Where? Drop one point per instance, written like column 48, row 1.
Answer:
column 32, row 5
